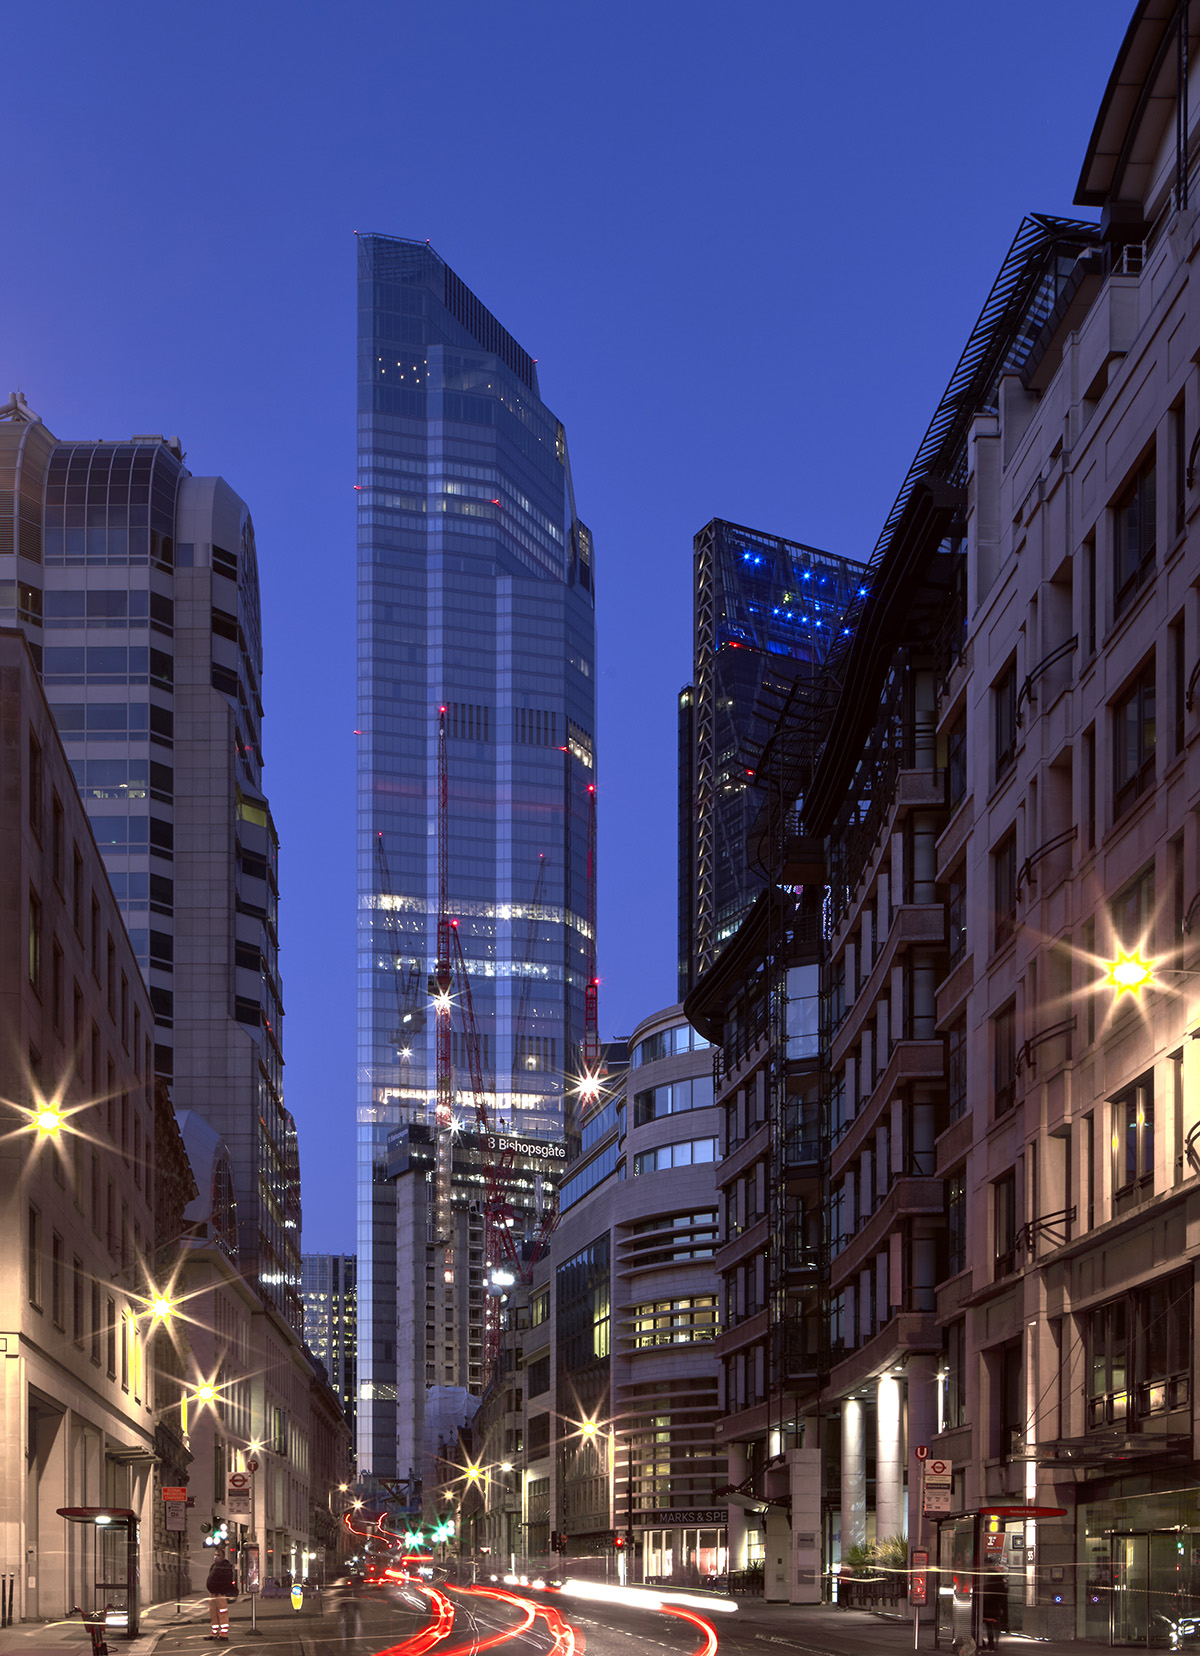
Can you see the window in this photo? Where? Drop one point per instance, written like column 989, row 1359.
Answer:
column 96, row 1323
column 954, row 1377
column 1089, row 783
column 77, row 1300
column 56, row 840
column 676, row 1322
column 956, row 1222
column 1132, row 914
column 1089, row 569
column 1133, row 1141
column 1004, row 890
column 35, row 940
column 956, row 1069
column 95, row 937
column 1004, row 707
column 77, row 891
column 1134, row 537
column 672, row 1099
column 36, row 785
column 956, row 762
column 57, row 987
column 1134, row 740
column 110, row 1329
column 1178, row 665
column 33, row 1259
column 56, row 1279
column 1004, row 1223
column 956, row 915
column 1179, row 467
column 539, row 1376
column 111, row 962
column 1004, row 1058
column 675, row 1155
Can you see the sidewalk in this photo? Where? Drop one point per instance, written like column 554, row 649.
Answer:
column 828, row 1630
column 70, row 1638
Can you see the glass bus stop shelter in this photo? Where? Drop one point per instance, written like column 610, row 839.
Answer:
column 114, row 1565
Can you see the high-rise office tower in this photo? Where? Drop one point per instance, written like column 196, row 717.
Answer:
column 475, row 588
column 766, row 611
column 137, row 587
column 329, row 1290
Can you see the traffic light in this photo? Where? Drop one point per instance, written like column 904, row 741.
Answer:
column 618, row 1541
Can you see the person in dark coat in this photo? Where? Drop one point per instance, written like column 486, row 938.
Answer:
column 995, row 1605
column 220, row 1583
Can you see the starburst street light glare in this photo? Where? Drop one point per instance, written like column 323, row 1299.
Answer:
column 1129, row 974
column 49, row 1120
column 206, row 1392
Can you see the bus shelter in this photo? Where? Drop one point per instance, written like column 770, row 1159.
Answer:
column 112, row 1535
column 982, row 1571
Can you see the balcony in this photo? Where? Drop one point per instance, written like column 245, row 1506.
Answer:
column 913, row 923
column 802, row 1265
column 792, row 1358
column 803, row 1156
column 909, row 1061
column 908, row 1197
column 747, row 1244
column 904, row 1332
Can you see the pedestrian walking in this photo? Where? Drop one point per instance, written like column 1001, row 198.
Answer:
column 221, row 1585
column 341, row 1602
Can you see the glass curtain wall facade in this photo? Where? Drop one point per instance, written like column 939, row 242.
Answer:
column 475, row 591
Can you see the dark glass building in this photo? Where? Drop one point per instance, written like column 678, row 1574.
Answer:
column 475, row 590
column 766, row 612
column 137, row 587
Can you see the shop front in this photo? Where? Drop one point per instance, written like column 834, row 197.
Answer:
column 1139, row 1569
column 685, row 1548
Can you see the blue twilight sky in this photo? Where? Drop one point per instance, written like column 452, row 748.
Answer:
column 746, row 243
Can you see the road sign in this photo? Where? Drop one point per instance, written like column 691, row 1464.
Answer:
column 237, row 1503
column 238, row 1480
column 174, row 1492
column 252, row 1465
column 938, row 1476
column 176, row 1514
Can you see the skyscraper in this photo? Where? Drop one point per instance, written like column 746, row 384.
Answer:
column 329, row 1290
column 137, row 587
column 766, row 611
column 476, row 596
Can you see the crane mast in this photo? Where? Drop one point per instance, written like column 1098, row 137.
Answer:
column 591, row 1066
column 439, row 988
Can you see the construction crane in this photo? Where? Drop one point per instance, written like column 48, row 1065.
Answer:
column 410, row 1013
column 439, row 988
column 521, row 1057
column 591, row 1065
column 451, row 980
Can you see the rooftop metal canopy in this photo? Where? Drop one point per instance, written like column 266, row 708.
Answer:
column 1035, row 269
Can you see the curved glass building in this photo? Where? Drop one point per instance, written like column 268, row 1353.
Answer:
column 476, row 594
